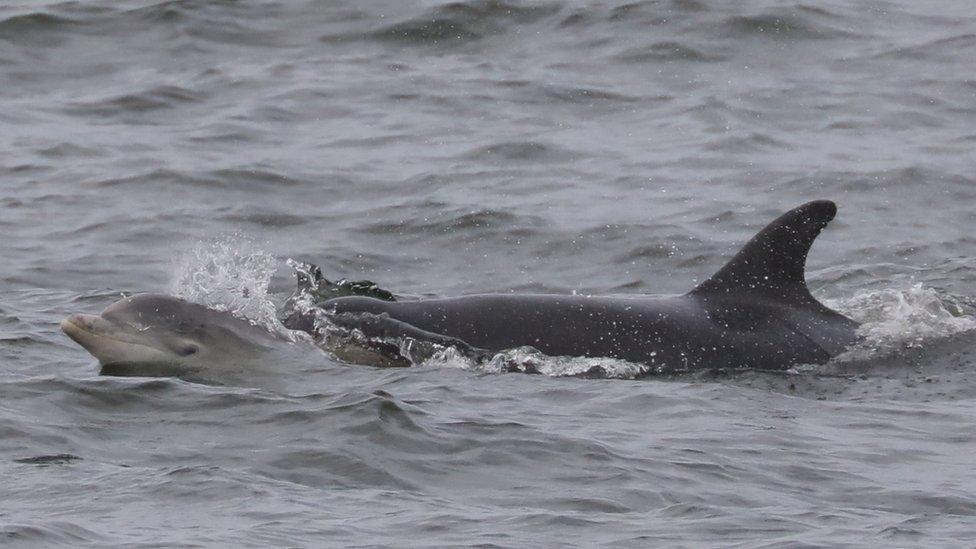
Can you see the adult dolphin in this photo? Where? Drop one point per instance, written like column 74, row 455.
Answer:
column 755, row 312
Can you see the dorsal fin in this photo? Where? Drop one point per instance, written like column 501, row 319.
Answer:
column 771, row 265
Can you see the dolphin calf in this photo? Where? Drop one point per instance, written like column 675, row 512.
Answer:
column 755, row 312
column 163, row 336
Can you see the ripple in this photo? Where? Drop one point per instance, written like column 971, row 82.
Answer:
column 781, row 26
column 254, row 178
column 267, row 218
column 320, row 468
column 638, row 14
column 456, row 222
column 52, row 459
column 49, row 532
column 520, row 151
column 940, row 50
column 69, row 150
column 248, row 180
column 463, row 22
column 36, row 28
column 754, row 142
column 584, row 96
column 153, row 99
column 220, row 21
column 666, row 51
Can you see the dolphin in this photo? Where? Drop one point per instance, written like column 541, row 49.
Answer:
column 755, row 312
column 163, row 336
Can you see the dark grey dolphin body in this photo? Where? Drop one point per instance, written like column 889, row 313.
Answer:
column 755, row 312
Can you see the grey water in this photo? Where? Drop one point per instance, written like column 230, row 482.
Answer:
column 596, row 147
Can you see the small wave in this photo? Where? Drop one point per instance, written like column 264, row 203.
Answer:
column 152, row 176
column 50, row 533
column 907, row 177
column 631, row 9
column 51, row 459
column 646, row 251
column 459, row 223
column 520, row 151
column 152, row 99
column 755, row 142
column 69, row 150
column 585, row 96
column 429, row 32
column 35, row 28
column 251, row 178
column 641, row 13
column 895, row 319
column 665, row 51
column 463, row 22
column 172, row 11
column 243, row 179
column 785, row 26
column 266, row 218
column 220, row 22
column 941, row 50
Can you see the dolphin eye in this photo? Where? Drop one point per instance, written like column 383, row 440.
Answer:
column 188, row 350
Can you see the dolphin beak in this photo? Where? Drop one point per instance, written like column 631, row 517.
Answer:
column 91, row 331
column 77, row 327
column 108, row 341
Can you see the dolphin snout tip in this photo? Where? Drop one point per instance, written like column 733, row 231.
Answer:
column 75, row 325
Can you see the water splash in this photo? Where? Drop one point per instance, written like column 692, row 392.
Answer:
column 528, row 360
column 303, row 301
column 532, row 361
column 232, row 274
column 895, row 319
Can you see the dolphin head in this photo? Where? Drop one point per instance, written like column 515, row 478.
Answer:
column 159, row 335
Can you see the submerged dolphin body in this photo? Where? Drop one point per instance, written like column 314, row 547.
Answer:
column 159, row 335
column 755, row 312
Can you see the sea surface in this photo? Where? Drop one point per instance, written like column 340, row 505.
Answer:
column 440, row 149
